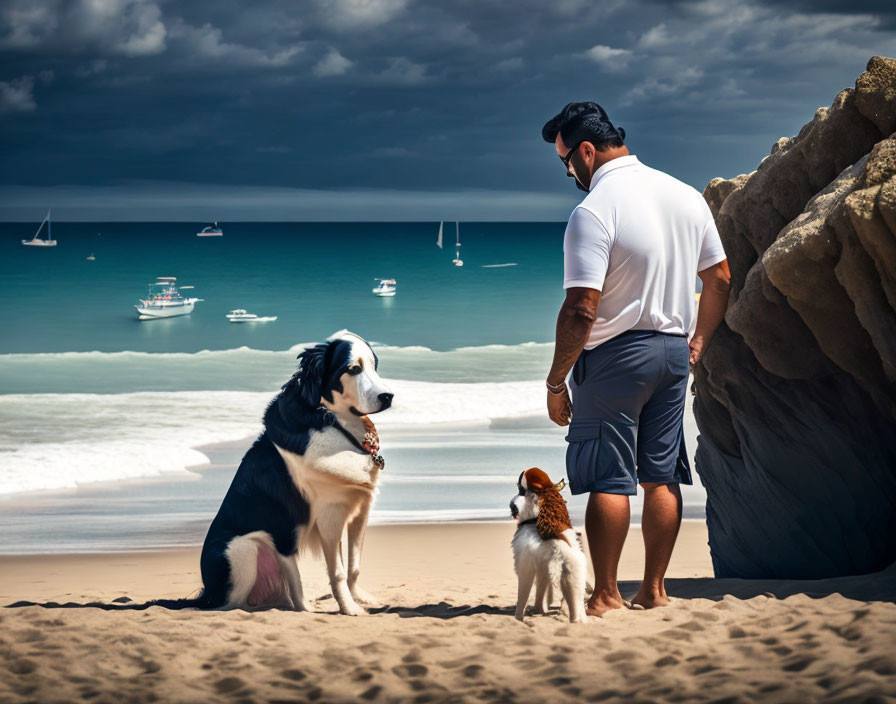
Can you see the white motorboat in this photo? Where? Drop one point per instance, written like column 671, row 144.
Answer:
column 36, row 241
column 210, row 231
column 385, row 288
column 457, row 261
column 165, row 300
column 240, row 315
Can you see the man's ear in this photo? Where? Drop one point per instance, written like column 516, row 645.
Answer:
column 311, row 371
column 587, row 151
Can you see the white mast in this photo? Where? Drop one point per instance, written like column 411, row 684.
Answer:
column 457, row 260
column 36, row 241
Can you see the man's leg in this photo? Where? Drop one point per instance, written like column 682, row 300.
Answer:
column 659, row 524
column 606, row 525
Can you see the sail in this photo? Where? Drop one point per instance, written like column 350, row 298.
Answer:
column 43, row 222
column 439, row 239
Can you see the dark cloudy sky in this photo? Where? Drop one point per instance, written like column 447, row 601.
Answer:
column 395, row 109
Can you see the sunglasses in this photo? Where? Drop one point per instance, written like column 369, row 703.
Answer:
column 565, row 159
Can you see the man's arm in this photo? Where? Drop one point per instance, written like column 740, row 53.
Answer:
column 574, row 323
column 713, row 304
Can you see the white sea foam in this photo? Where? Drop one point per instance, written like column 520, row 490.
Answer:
column 247, row 369
column 55, row 441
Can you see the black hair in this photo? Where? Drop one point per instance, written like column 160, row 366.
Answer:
column 578, row 122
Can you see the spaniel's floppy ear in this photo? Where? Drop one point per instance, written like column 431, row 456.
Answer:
column 553, row 517
column 311, row 370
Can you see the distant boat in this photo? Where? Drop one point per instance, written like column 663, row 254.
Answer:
column 385, row 288
column 210, row 231
column 36, row 241
column 165, row 300
column 457, row 260
column 439, row 238
column 240, row 315
column 91, row 258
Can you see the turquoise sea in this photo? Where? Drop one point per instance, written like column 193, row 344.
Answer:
column 101, row 414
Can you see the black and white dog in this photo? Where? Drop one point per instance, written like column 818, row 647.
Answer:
column 311, row 475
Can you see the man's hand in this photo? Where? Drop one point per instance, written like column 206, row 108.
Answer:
column 696, row 347
column 560, row 407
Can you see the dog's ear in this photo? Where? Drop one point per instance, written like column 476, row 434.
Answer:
column 553, row 516
column 311, row 374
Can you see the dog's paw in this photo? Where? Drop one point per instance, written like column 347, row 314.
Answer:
column 305, row 605
column 353, row 610
column 365, row 598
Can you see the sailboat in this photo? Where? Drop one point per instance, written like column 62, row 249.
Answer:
column 439, row 238
column 36, row 241
column 211, row 231
column 457, row 260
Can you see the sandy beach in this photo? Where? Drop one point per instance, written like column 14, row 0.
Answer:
column 445, row 632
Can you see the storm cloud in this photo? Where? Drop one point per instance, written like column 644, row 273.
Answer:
column 393, row 109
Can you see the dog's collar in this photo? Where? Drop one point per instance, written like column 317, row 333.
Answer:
column 528, row 521
column 371, row 444
column 351, row 438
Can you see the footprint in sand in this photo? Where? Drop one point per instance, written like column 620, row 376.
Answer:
column 797, row 665
column 293, row 674
column 411, row 670
column 371, row 693
column 559, row 681
column 229, row 684
column 22, row 666
column 621, row 656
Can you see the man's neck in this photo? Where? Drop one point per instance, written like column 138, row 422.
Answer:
column 607, row 156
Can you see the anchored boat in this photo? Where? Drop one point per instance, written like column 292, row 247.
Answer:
column 385, row 288
column 210, row 231
column 240, row 315
column 165, row 300
column 36, row 241
column 457, row 261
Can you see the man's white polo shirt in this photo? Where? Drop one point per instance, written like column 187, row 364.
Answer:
column 640, row 237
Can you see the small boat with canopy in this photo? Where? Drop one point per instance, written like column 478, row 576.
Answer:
column 165, row 300
column 240, row 315
column 385, row 288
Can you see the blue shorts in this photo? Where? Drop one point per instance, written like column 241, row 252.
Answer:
column 627, row 408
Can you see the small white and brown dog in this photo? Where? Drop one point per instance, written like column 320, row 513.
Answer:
column 546, row 549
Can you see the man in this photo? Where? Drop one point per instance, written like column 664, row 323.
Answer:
column 627, row 332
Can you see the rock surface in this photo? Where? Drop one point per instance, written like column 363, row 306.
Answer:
column 796, row 391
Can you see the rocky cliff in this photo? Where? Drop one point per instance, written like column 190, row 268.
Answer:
column 796, row 393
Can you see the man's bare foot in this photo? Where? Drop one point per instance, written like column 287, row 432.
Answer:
column 649, row 600
column 601, row 602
